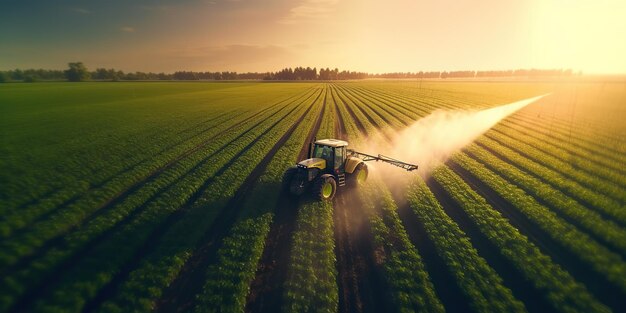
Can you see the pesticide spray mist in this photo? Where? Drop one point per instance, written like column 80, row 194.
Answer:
column 431, row 140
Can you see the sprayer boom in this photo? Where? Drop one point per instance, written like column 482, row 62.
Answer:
column 367, row 157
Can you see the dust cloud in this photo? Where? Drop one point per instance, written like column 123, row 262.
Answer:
column 433, row 139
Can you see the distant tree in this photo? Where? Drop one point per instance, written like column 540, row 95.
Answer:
column 4, row 77
column 101, row 74
column 30, row 78
column 77, row 72
column 17, row 74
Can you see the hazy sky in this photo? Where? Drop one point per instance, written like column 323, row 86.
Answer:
column 363, row 35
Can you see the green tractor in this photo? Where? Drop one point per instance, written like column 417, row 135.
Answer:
column 331, row 165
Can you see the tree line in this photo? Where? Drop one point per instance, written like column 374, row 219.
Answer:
column 78, row 72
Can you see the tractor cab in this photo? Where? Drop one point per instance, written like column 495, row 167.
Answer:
column 332, row 152
column 328, row 167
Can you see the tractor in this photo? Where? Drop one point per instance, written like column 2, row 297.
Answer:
column 330, row 165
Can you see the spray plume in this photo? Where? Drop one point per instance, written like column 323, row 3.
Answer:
column 433, row 139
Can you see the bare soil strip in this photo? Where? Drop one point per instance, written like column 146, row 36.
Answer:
column 596, row 283
column 362, row 286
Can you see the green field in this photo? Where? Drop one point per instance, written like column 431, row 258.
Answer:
column 165, row 196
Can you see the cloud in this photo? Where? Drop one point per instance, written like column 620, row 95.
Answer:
column 127, row 29
column 80, row 10
column 309, row 11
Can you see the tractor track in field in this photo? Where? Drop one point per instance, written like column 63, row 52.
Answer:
column 59, row 240
column 362, row 287
column 512, row 278
column 180, row 295
column 266, row 289
column 69, row 263
column 446, row 287
column 595, row 282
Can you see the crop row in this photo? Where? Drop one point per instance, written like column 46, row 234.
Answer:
column 450, row 102
column 164, row 198
column 410, row 285
column 311, row 284
column 98, row 196
column 586, row 219
column 160, row 266
column 582, row 159
column 586, row 149
column 40, row 215
column 560, row 289
column 609, row 262
column 597, row 199
column 311, row 281
column 591, row 190
column 481, row 285
column 596, row 256
column 548, row 190
column 388, row 116
column 16, row 218
column 574, row 190
column 93, row 215
column 18, row 281
column 228, row 280
column 128, row 145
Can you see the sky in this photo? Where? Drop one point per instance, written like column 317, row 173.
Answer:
column 360, row 35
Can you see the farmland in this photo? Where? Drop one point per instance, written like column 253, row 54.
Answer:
column 166, row 196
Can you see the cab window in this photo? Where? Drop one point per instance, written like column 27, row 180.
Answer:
column 339, row 157
column 324, row 152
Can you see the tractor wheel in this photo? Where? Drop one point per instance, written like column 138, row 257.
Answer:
column 359, row 176
column 325, row 187
column 288, row 177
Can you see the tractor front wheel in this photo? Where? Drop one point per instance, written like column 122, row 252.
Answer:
column 325, row 187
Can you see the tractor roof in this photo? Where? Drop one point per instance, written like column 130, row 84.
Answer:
column 332, row 142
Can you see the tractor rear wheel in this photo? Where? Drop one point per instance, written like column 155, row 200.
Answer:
column 325, row 187
column 359, row 176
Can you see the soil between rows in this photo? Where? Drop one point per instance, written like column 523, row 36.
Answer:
column 266, row 290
